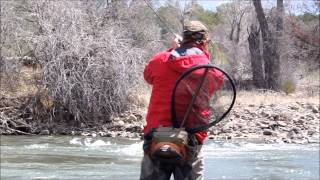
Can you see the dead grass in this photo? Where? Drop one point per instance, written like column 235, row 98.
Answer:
column 309, row 85
column 21, row 84
column 267, row 98
column 307, row 91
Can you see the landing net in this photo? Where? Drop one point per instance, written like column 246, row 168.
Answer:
column 202, row 97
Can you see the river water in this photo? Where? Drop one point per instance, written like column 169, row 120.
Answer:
column 69, row 157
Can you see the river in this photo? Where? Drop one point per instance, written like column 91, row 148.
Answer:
column 69, row 157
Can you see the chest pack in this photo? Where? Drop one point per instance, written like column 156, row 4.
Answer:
column 169, row 145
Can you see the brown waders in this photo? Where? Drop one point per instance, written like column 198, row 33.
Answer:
column 154, row 170
column 157, row 168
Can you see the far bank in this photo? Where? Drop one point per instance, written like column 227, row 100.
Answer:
column 264, row 116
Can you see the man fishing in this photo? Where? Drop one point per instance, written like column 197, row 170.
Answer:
column 181, row 156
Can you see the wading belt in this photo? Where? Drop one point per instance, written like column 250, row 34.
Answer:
column 169, row 145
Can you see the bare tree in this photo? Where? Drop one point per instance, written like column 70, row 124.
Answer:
column 232, row 40
column 233, row 14
column 255, row 56
column 270, row 54
column 303, row 42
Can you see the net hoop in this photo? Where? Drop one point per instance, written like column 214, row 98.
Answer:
column 173, row 100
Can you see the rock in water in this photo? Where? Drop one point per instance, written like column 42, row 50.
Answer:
column 267, row 133
column 45, row 132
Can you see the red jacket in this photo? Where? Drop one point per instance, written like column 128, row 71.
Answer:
column 162, row 74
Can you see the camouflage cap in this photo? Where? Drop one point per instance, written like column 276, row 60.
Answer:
column 194, row 31
column 194, row 26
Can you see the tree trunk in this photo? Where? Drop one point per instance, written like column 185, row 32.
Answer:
column 238, row 33
column 231, row 32
column 270, row 53
column 239, row 28
column 255, row 55
column 278, row 40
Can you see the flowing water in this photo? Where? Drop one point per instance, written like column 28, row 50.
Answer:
column 69, row 157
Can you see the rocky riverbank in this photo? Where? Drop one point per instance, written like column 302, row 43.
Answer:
column 286, row 123
column 296, row 122
column 289, row 123
column 292, row 122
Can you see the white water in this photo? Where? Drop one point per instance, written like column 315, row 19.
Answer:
column 67, row 157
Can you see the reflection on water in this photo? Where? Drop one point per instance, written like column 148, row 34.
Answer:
column 67, row 157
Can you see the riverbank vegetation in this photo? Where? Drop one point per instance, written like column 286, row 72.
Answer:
column 72, row 67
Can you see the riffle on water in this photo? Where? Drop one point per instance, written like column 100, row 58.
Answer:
column 69, row 157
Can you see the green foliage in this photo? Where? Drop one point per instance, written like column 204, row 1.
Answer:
column 307, row 17
column 210, row 18
column 171, row 16
column 288, row 86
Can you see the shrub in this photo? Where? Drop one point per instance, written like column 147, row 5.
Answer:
column 88, row 54
column 288, row 86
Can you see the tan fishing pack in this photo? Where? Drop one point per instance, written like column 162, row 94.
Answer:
column 169, row 145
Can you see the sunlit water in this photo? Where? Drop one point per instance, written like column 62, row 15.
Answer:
column 66, row 157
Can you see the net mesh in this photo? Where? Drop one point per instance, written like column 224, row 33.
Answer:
column 201, row 97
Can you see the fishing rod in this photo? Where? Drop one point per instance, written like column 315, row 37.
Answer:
column 165, row 24
column 159, row 17
column 187, row 72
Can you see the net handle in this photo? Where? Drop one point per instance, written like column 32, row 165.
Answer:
column 194, row 97
column 184, row 74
